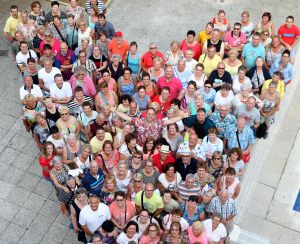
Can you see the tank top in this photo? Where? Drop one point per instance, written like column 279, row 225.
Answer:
column 260, row 28
column 127, row 89
column 71, row 155
column 222, row 28
column 230, row 188
column 269, row 104
column 217, row 46
column 54, row 117
column 104, row 102
column 133, row 63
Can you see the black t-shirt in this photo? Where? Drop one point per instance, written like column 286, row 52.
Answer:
column 98, row 61
column 54, row 117
column 216, row 79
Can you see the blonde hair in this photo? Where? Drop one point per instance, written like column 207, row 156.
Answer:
column 110, row 178
column 28, row 98
column 198, row 225
column 63, row 109
column 233, row 51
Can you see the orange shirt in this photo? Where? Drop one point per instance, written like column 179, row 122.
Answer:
column 119, row 214
column 121, row 49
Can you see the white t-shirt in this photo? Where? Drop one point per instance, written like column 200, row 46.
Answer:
column 65, row 91
column 22, row 58
column 48, row 78
column 94, row 219
column 223, row 101
column 35, row 91
column 236, row 85
column 167, row 184
column 59, row 144
column 124, row 149
column 168, row 221
column 199, row 83
column 217, row 234
column 190, row 65
column 123, row 239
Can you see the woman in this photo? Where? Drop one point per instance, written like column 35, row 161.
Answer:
column 192, row 210
column 215, row 165
column 234, row 160
column 67, row 123
column 171, row 113
column 58, row 29
column 208, row 93
column 93, row 19
column 150, row 173
column 15, row 46
column 135, row 186
column 258, row 75
column 151, row 234
column 52, row 112
column 221, row 22
column 224, row 96
column 157, row 70
column 84, row 159
column 199, row 103
column 199, row 77
column 196, row 233
column 136, row 163
column 126, row 83
column 247, row 25
column 274, row 51
column 105, row 97
column 79, row 203
column 119, row 138
column 232, row 63
column 115, row 68
column 37, row 14
column 129, row 146
column 240, row 79
column 47, row 154
column 102, row 43
column 32, row 70
column 106, row 77
column 122, row 175
column 149, row 148
column 85, row 46
column 189, row 96
column 265, row 38
column 109, row 189
column 151, row 87
column 176, row 235
column 121, row 210
column 169, row 179
column 75, row 10
column 212, row 143
column 99, row 60
column 230, row 182
column 141, row 98
column 73, row 148
column 174, row 216
column 42, row 130
column 174, row 54
column 107, row 232
column 265, row 24
column 108, row 157
column 134, row 60
column 53, row 42
column 173, row 137
column 130, row 233
column 27, row 27
column 30, row 109
column 143, row 220
column 84, row 32
column 270, row 105
column 215, row 230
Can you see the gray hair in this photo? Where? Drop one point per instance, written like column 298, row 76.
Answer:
column 190, row 176
column 71, row 136
column 56, row 159
column 116, row 55
column 245, row 86
column 273, row 84
column 80, row 69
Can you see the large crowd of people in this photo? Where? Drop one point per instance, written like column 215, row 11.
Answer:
column 147, row 147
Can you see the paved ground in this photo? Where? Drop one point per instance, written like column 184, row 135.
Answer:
column 29, row 211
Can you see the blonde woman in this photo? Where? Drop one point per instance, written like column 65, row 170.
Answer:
column 84, row 32
column 157, row 70
column 67, row 123
column 173, row 55
column 232, row 63
column 122, row 175
column 108, row 191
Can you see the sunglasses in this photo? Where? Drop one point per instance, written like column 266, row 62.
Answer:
column 47, row 35
column 220, row 68
column 236, row 28
column 137, row 181
column 64, row 114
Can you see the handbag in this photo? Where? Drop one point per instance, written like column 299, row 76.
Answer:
column 246, row 156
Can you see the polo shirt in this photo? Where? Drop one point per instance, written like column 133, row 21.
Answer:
column 184, row 193
column 203, row 37
column 115, row 48
column 209, row 64
column 35, row 91
column 11, row 25
column 148, row 59
column 48, row 78
column 97, row 145
column 183, row 170
column 174, row 85
column 92, row 184
column 65, row 91
column 250, row 54
column 288, row 35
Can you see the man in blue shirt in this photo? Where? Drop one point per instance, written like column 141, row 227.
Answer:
column 94, row 179
column 284, row 66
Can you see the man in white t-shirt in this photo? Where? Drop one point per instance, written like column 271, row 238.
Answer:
column 46, row 76
column 60, row 91
column 30, row 88
column 219, row 234
column 93, row 215
column 23, row 55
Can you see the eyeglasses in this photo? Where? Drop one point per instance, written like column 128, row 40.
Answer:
column 149, row 190
column 47, row 35
column 152, row 47
column 236, row 28
column 153, row 230
column 137, row 181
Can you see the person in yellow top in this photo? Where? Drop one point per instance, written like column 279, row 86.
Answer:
column 11, row 24
column 204, row 35
column 277, row 79
column 98, row 140
column 210, row 60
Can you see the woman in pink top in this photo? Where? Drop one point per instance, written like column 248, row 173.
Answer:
column 230, row 183
column 112, row 85
column 151, row 234
column 105, row 97
column 53, row 42
column 196, row 233
column 80, row 78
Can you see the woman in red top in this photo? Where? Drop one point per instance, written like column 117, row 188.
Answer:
column 151, row 87
column 46, row 157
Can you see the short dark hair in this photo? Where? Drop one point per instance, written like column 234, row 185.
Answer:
column 286, row 51
column 176, row 126
column 210, row 24
column 30, row 60
column 86, row 103
column 290, row 17
column 201, row 110
column 78, row 89
column 176, row 101
column 129, row 137
column 165, row 88
column 124, row 98
column 120, row 193
column 131, row 222
column 133, row 43
column 54, row 3
column 23, row 42
column 53, row 130
column 145, row 74
column 47, row 47
column 168, row 166
column 57, row 75
column 191, row 32
column 13, row 7
column 100, row 16
column 230, row 171
column 267, row 14
column 127, row 69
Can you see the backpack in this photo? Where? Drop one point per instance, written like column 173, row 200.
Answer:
column 261, row 130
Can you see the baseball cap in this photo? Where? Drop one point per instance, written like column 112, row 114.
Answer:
column 119, row 34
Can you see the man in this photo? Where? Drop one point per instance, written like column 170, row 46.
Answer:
column 252, row 50
column 163, row 158
column 147, row 60
column 94, row 124
column 284, row 66
column 93, row 215
column 185, row 164
column 289, row 33
column 11, row 24
column 250, row 113
column 30, row 88
column 72, row 32
column 23, row 55
column 186, row 188
column 226, row 207
column 204, row 35
column 223, row 120
column 60, row 91
column 200, row 122
column 118, row 46
column 190, row 61
column 220, row 76
column 196, row 149
column 169, row 80
column 46, row 76
column 215, row 41
column 235, row 39
column 182, row 73
column 94, row 179
column 74, row 105
column 239, row 135
column 83, row 61
column 64, row 61
column 164, row 99
column 210, row 60
column 98, row 140
column 104, row 26
column 150, row 200
column 191, row 43
column 169, row 203
column 98, row 3
column 55, row 11
column 134, row 111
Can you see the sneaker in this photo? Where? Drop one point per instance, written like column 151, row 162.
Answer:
column 266, row 135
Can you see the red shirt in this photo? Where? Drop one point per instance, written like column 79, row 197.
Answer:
column 165, row 106
column 121, row 49
column 148, row 59
column 44, row 162
column 288, row 35
column 55, row 47
column 174, row 85
column 196, row 48
column 159, row 165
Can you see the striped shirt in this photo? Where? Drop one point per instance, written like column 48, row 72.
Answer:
column 92, row 184
column 101, row 6
column 225, row 210
column 184, row 193
column 75, row 108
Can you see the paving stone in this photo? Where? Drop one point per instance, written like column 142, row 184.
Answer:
column 3, row 168
column 3, row 224
column 13, row 233
column 271, row 231
column 31, row 149
column 289, row 236
column 251, row 223
column 8, row 155
column 35, row 168
column 24, row 217
column 8, row 210
column 6, row 121
column 53, row 196
column 2, row 132
column 50, row 209
column 71, row 238
column 40, row 225
column 11, row 108
column 18, row 142
column 57, row 232
column 18, row 195
column 23, row 161
column 34, row 202
column 6, row 188
column 63, row 219
column 13, row 175
column 5, row 140
column 43, row 188
column 29, row 181
column 31, row 237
